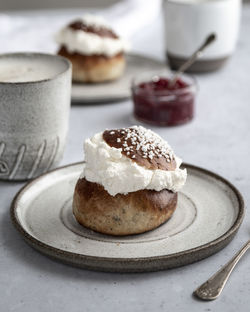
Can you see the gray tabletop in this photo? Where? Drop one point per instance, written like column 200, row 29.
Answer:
column 217, row 139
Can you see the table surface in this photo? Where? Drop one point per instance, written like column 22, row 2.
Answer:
column 217, row 139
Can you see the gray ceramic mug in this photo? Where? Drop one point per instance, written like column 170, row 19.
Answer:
column 35, row 94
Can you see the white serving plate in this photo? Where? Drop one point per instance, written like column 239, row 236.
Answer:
column 209, row 213
column 118, row 89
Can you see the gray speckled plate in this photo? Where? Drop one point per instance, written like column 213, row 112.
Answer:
column 209, row 213
column 118, row 89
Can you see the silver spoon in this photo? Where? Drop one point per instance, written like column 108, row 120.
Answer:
column 193, row 57
column 213, row 287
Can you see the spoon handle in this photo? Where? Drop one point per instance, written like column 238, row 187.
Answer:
column 213, row 287
column 193, row 57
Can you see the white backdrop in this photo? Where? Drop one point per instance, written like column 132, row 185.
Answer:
column 50, row 4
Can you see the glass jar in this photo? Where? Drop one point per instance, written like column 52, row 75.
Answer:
column 158, row 102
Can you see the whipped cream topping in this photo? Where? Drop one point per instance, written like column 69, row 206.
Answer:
column 94, row 20
column 117, row 173
column 88, row 43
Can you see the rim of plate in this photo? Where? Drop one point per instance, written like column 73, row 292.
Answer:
column 70, row 255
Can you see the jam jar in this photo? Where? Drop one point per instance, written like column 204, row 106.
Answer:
column 159, row 102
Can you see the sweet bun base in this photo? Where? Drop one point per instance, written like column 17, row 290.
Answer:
column 94, row 68
column 134, row 213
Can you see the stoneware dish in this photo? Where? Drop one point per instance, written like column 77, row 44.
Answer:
column 209, row 213
column 35, row 101
column 118, row 89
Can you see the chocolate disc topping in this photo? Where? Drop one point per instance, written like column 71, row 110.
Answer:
column 98, row 30
column 142, row 146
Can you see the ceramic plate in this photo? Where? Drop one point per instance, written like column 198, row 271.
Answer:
column 118, row 89
column 209, row 213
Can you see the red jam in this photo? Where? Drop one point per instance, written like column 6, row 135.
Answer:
column 160, row 103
